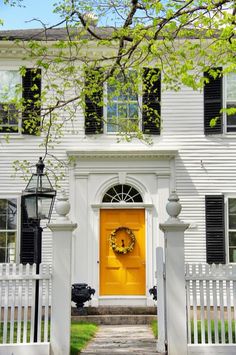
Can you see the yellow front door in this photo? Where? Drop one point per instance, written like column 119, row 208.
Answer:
column 122, row 274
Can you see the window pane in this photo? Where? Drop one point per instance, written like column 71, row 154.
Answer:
column 232, row 255
column 232, row 213
column 133, row 110
column 3, row 240
column 231, row 87
column 112, row 126
column 9, row 79
column 3, row 221
column 122, row 193
column 122, row 110
column 2, row 255
column 111, row 111
column 3, row 206
column 8, row 226
column 11, row 214
column 231, row 119
column 232, row 239
column 11, row 247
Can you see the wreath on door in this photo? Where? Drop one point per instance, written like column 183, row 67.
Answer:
column 122, row 249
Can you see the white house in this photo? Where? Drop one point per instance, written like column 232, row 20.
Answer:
column 127, row 184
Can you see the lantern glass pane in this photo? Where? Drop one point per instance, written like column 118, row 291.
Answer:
column 39, row 183
column 30, row 204
column 44, row 206
column 32, row 185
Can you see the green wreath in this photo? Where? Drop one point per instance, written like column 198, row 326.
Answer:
column 122, row 249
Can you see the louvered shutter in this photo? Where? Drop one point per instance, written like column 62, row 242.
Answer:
column 151, row 102
column 31, row 94
column 27, row 244
column 94, row 101
column 213, row 103
column 215, row 229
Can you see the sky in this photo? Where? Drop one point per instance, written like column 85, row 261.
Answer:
column 19, row 18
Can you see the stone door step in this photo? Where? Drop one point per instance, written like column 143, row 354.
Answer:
column 116, row 319
column 116, row 310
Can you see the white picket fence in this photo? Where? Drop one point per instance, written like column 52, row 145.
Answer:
column 211, row 308
column 17, row 302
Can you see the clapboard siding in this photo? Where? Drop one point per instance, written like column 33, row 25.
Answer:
column 205, row 164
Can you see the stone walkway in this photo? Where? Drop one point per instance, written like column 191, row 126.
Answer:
column 122, row 339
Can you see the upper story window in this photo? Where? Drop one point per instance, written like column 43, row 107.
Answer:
column 8, row 229
column 216, row 97
column 116, row 106
column 122, row 193
column 10, row 80
column 123, row 104
column 20, row 101
column 230, row 98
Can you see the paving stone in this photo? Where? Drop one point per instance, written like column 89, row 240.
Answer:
column 122, row 339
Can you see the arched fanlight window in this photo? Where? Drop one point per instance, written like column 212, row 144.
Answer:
column 122, row 193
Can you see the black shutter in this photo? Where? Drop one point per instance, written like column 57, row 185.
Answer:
column 151, row 101
column 31, row 83
column 215, row 229
column 27, row 237
column 94, row 101
column 213, row 103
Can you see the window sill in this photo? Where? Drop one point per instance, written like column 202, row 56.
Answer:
column 9, row 136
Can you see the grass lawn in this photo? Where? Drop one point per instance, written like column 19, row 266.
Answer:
column 81, row 333
column 155, row 331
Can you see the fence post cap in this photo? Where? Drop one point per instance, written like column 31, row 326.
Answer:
column 173, row 207
column 62, row 206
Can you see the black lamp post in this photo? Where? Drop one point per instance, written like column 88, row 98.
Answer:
column 39, row 197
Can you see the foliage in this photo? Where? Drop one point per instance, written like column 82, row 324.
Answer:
column 181, row 38
column 212, row 325
column 81, row 333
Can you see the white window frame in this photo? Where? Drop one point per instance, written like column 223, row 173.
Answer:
column 18, row 221
column 18, row 132
column 224, row 88
column 105, row 95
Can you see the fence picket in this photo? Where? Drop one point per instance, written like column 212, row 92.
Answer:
column 215, row 313
column 1, row 288
column 208, row 306
column 12, row 305
column 195, row 306
column 202, row 306
column 234, row 307
column 32, row 310
column 39, row 320
column 5, row 319
column 188, row 304
column 228, row 305
column 46, row 307
column 222, row 320
column 26, row 301
column 19, row 307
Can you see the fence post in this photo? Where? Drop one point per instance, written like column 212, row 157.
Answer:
column 161, row 316
column 176, row 317
column 61, row 279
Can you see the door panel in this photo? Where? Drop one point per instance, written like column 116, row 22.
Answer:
column 122, row 274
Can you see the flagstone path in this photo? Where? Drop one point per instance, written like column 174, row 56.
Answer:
column 122, row 339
